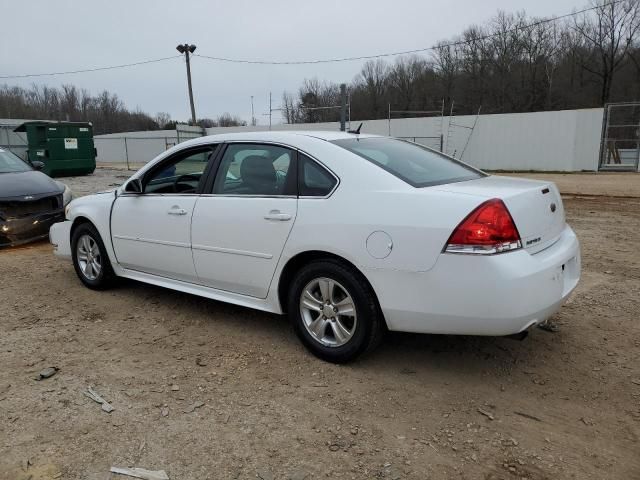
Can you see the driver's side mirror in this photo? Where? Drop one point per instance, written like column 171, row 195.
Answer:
column 37, row 165
column 134, row 186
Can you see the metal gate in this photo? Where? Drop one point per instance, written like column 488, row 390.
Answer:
column 620, row 144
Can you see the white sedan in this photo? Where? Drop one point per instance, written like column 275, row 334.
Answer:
column 348, row 234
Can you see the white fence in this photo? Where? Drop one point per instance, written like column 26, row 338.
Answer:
column 567, row 140
column 10, row 140
column 132, row 148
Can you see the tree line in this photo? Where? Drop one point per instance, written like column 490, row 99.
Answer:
column 106, row 111
column 512, row 63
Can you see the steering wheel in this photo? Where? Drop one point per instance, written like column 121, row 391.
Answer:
column 186, row 176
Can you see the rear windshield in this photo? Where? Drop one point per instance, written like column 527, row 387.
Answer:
column 417, row 165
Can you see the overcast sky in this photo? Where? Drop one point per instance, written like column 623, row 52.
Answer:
column 46, row 36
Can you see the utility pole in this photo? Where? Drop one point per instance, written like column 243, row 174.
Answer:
column 349, row 108
column 253, row 117
column 343, row 106
column 271, row 110
column 187, row 49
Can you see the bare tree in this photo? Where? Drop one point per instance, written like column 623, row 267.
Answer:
column 540, row 45
column 610, row 34
column 162, row 119
column 372, row 80
column 106, row 110
column 403, row 77
column 474, row 65
column 506, row 48
column 290, row 110
column 447, row 67
column 316, row 101
column 228, row 120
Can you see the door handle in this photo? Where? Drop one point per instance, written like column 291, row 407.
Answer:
column 175, row 210
column 278, row 216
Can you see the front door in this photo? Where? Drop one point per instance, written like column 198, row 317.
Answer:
column 151, row 231
column 239, row 229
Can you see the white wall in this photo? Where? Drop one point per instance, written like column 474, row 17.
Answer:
column 554, row 141
column 140, row 147
column 567, row 140
column 10, row 140
column 140, row 134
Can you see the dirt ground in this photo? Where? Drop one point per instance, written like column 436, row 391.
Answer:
column 590, row 183
column 206, row 390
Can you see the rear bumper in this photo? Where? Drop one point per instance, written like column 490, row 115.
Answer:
column 17, row 231
column 481, row 295
column 60, row 238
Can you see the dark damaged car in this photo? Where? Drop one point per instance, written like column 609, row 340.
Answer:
column 30, row 201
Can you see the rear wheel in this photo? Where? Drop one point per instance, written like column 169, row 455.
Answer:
column 90, row 258
column 334, row 311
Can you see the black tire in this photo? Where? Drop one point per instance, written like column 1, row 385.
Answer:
column 105, row 277
column 368, row 329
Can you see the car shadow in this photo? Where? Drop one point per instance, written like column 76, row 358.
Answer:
column 406, row 353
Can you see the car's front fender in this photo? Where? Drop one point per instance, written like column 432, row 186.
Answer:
column 95, row 209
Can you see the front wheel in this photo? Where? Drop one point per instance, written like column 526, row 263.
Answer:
column 90, row 258
column 334, row 311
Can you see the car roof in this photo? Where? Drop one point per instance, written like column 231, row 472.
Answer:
column 284, row 136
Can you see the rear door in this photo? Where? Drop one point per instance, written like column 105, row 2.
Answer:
column 151, row 231
column 239, row 228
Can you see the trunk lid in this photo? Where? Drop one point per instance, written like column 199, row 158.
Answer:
column 535, row 206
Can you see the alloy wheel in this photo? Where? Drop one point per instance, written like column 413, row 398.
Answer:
column 328, row 312
column 89, row 257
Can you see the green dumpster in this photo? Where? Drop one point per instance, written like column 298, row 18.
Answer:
column 65, row 148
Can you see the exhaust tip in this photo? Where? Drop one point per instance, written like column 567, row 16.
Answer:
column 518, row 336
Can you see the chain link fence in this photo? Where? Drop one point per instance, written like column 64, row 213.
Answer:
column 132, row 152
column 13, row 141
column 620, row 145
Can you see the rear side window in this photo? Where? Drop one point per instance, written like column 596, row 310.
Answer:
column 417, row 165
column 313, row 179
column 256, row 169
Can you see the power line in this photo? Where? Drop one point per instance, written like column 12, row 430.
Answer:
column 329, row 60
column 406, row 52
column 86, row 70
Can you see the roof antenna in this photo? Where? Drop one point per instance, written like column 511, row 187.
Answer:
column 357, row 130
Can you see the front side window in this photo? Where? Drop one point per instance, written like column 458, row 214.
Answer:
column 254, row 169
column 10, row 163
column 181, row 175
column 417, row 165
column 313, row 179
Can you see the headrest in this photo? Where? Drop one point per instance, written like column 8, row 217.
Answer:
column 259, row 173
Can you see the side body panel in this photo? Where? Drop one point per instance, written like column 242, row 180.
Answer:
column 237, row 241
column 152, row 234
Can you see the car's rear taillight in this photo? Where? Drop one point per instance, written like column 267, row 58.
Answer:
column 487, row 230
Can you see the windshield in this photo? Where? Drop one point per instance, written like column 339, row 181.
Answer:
column 417, row 165
column 10, row 163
